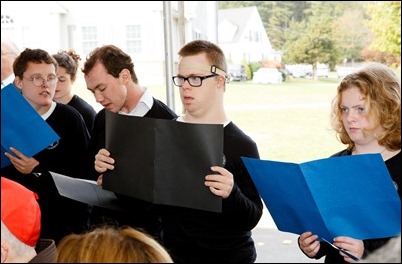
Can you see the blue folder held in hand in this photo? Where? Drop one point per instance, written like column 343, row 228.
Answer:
column 21, row 126
column 338, row 196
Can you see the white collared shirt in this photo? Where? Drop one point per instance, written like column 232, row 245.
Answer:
column 50, row 111
column 143, row 106
column 7, row 80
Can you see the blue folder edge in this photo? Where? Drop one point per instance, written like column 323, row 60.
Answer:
column 330, row 197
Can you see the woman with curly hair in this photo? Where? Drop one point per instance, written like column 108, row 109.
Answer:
column 366, row 115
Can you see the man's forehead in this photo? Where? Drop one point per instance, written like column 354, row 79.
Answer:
column 203, row 67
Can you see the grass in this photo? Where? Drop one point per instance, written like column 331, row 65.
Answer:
column 288, row 121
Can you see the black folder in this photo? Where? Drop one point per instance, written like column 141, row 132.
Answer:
column 163, row 161
column 81, row 190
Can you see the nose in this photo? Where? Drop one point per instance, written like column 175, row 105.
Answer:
column 350, row 116
column 98, row 96
column 46, row 83
column 186, row 84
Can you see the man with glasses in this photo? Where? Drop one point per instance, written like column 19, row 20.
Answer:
column 9, row 51
column 35, row 76
column 110, row 76
column 201, row 236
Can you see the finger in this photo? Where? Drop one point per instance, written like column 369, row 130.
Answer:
column 99, row 181
column 100, row 169
column 105, row 159
column 216, row 178
column 305, row 235
column 104, row 152
column 102, row 166
column 219, row 170
column 14, row 160
column 219, row 192
column 17, row 153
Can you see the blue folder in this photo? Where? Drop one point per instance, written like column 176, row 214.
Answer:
column 21, row 126
column 338, row 196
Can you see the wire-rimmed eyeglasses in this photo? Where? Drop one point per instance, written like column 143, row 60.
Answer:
column 194, row 81
column 39, row 81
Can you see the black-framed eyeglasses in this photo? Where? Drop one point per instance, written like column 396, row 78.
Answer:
column 39, row 81
column 194, row 81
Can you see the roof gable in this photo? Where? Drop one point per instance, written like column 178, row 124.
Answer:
column 234, row 18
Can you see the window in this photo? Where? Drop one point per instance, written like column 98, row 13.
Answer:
column 7, row 26
column 197, row 34
column 6, row 19
column 89, row 39
column 133, row 37
column 257, row 37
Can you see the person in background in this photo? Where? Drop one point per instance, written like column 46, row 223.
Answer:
column 20, row 227
column 110, row 76
column 389, row 253
column 366, row 115
column 9, row 51
column 109, row 244
column 35, row 76
column 198, row 236
column 68, row 62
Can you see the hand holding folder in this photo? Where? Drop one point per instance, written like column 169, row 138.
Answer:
column 330, row 197
column 163, row 161
column 21, row 126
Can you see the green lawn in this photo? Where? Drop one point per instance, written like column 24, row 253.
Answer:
column 289, row 121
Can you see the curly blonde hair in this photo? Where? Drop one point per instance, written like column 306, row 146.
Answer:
column 108, row 244
column 381, row 90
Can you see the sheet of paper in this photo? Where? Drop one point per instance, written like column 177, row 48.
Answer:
column 330, row 197
column 81, row 190
column 163, row 161
column 21, row 126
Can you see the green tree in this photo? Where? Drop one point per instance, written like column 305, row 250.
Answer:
column 310, row 42
column 247, row 69
column 275, row 15
column 351, row 35
column 386, row 24
column 330, row 31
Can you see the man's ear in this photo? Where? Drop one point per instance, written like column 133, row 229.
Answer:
column 4, row 251
column 18, row 82
column 221, row 81
column 125, row 75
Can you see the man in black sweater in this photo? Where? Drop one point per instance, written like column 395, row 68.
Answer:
column 110, row 76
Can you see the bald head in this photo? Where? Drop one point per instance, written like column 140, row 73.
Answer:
column 9, row 51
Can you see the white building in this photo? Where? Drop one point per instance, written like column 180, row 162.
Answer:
column 136, row 27
column 139, row 28
column 243, row 37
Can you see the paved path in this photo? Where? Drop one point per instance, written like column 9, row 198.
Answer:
column 274, row 246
